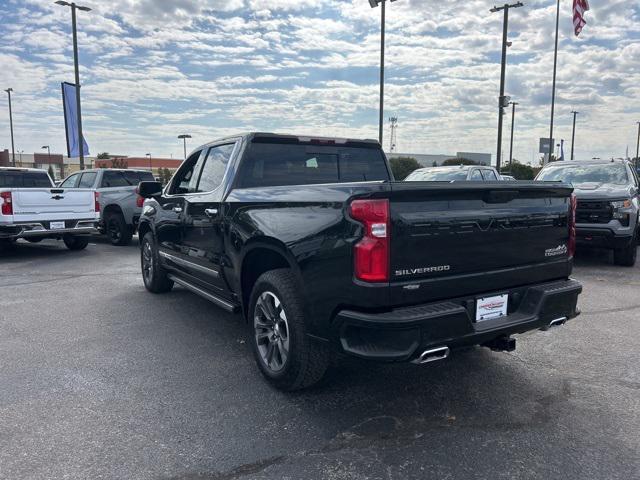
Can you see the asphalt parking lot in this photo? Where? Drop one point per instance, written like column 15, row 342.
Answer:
column 100, row 379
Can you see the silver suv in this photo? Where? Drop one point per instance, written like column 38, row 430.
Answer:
column 608, row 204
column 120, row 205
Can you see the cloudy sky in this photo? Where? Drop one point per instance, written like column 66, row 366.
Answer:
column 152, row 69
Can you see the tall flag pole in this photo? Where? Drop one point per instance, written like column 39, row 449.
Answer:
column 553, row 88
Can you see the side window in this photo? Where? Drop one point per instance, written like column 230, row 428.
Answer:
column 489, row 175
column 476, row 176
column 111, row 178
column 132, row 178
column 214, row 167
column 71, row 182
column 185, row 178
column 87, row 180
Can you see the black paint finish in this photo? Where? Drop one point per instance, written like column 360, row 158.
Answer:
column 491, row 237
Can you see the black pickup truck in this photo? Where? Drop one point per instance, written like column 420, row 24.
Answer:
column 322, row 252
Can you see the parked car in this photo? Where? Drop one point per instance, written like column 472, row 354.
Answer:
column 508, row 178
column 119, row 203
column 322, row 252
column 473, row 173
column 33, row 208
column 607, row 213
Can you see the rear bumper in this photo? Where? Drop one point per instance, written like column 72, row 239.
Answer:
column 42, row 229
column 601, row 238
column 402, row 334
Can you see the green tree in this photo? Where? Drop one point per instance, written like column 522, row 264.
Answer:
column 165, row 175
column 520, row 171
column 103, row 156
column 403, row 166
column 458, row 161
column 52, row 173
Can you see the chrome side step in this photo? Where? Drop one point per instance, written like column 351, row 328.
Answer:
column 228, row 306
column 432, row 355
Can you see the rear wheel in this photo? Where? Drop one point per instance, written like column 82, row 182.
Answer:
column 117, row 230
column 627, row 256
column 285, row 354
column 154, row 275
column 75, row 242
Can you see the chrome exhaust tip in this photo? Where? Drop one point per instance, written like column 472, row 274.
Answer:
column 557, row 322
column 432, row 355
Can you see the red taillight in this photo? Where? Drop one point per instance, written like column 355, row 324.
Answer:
column 7, row 203
column 139, row 201
column 573, row 205
column 96, row 201
column 371, row 254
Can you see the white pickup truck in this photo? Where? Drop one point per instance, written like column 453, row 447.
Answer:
column 33, row 208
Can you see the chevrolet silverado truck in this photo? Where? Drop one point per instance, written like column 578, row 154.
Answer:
column 120, row 206
column 608, row 204
column 318, row 248
column 33, row 208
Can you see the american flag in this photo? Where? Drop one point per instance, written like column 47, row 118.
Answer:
column 579, row 7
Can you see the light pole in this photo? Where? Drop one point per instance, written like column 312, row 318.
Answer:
column 150, row 166
column 77, row 71
column 13, row 148
column 513, row 122
column 502, row 102
column 555, row 68
column 638, row 147
column 573, row 132
column 374, row 4
column 184, row 138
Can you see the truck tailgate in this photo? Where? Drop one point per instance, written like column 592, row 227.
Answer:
column 52, row 204
column 475, row 237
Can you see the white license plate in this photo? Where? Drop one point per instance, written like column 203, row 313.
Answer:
column 56, row 226
column 491, row 307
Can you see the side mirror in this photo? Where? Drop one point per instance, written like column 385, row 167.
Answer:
column 149, row 189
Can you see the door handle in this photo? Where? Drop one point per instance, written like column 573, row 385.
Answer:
column 211, row 212
column 177, row 209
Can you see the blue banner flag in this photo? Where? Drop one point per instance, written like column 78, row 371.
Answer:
column 71, row 121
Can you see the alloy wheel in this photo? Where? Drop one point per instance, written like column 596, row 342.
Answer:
column 147, row 261
column 271, row 331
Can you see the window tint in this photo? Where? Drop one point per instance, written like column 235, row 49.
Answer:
column 607, row 173
column 71, row 182
column 134, row 178
column 437, row 174
column 185, row 179
column 24, row 180
column 87, row 180
column 214, row 167
column 272, row 164
column 146, row 177
column 112, row 178
column 489, row 175
column 476, row 176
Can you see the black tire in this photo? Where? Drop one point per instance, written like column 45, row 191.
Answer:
column 34, row 239
column 153, row 274
column 76, row 242
column 306, row 359
column 626, row 257
column 7, row 243
column 117, row 230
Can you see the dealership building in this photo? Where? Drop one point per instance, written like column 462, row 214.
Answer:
column 63, row 166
